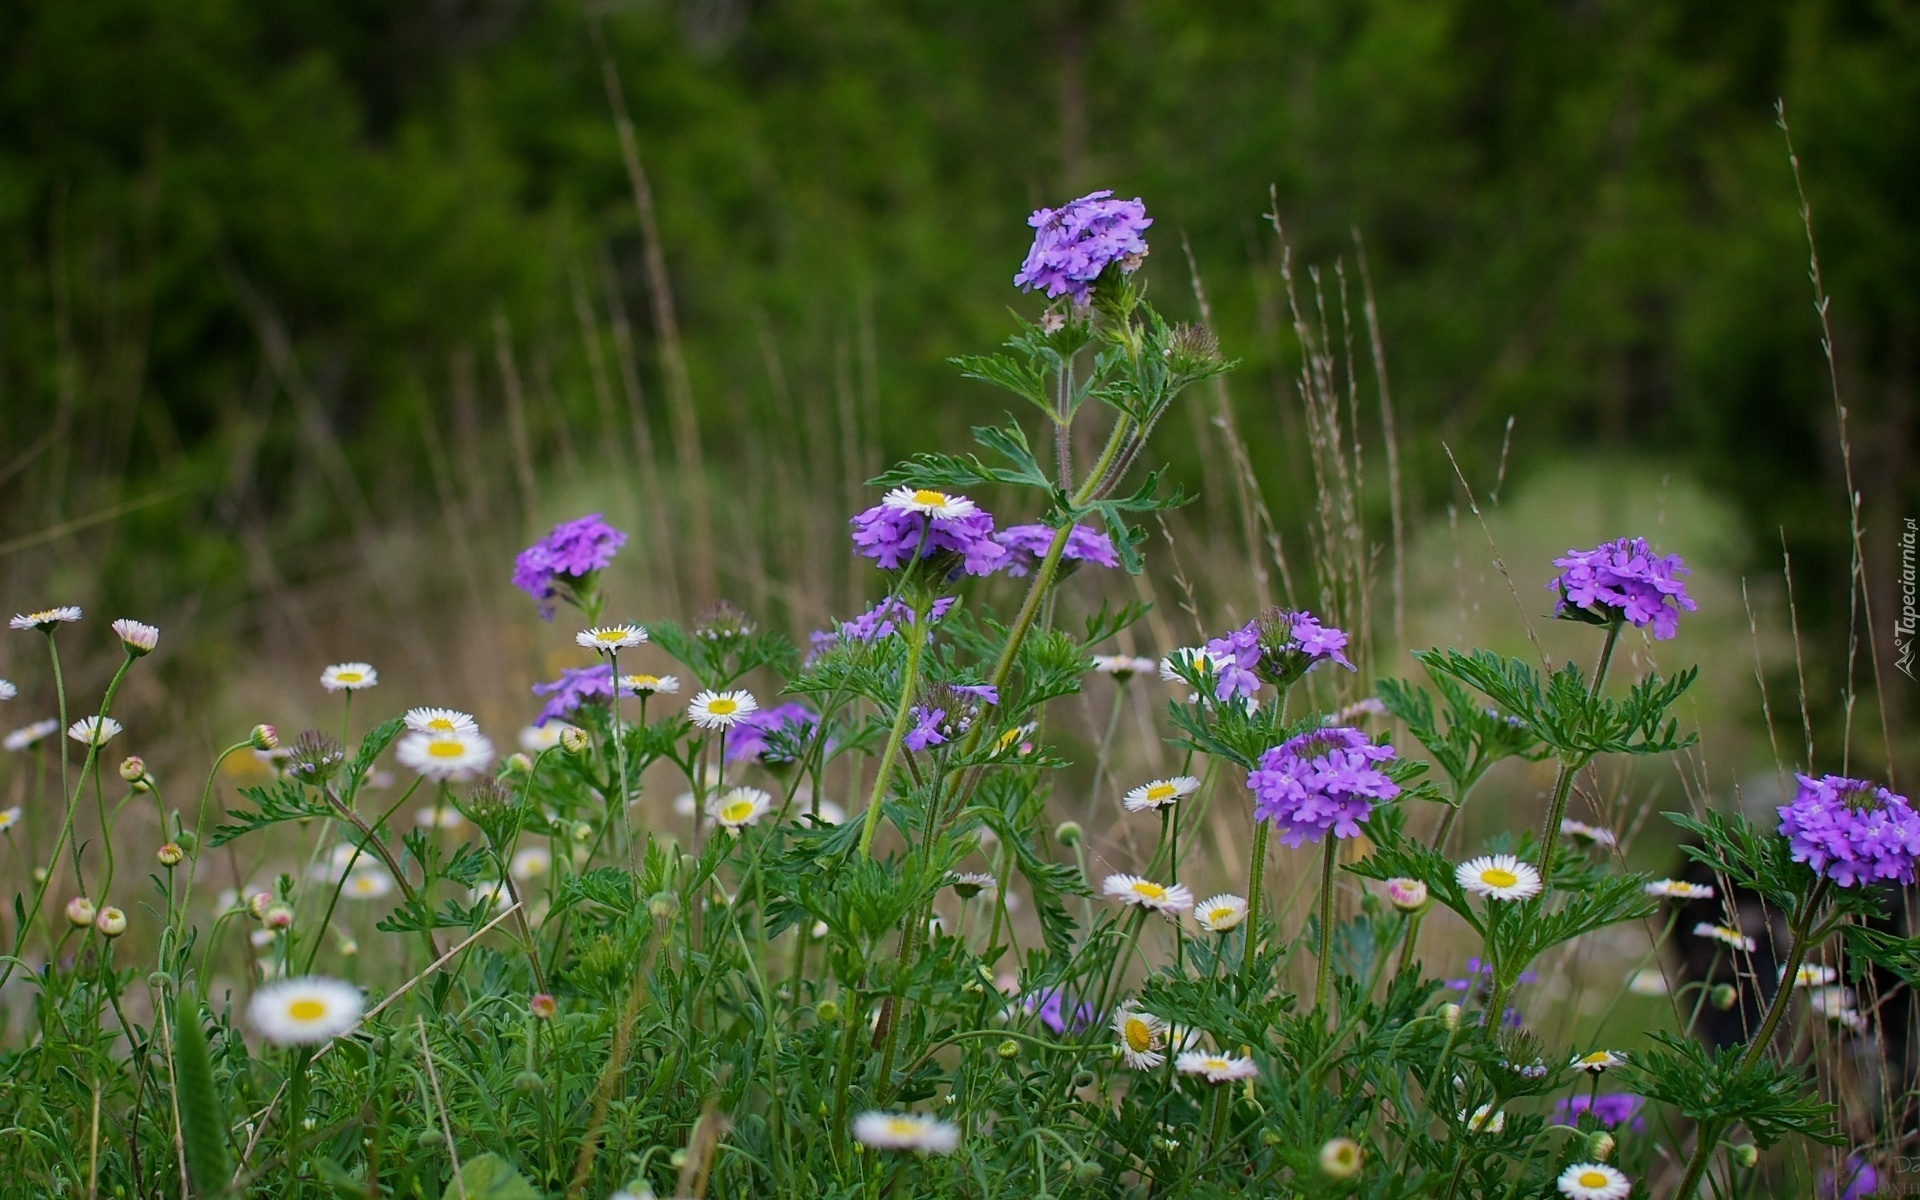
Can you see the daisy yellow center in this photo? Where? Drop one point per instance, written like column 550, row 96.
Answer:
column 930, row 498
column 1219, row 913
column 306, row 1009
column 723, row 707
column 611, row 635
column 366, row 883
column 1592, row 1179
column 440, row 725
column 736, row 811
column 1139, row 1035
column 1160, row 791
column 1598, row 1056
column 643, row 681
column 349, row 677
column 1007, row 739
column 446, row 749
column 1216, row 1064
column 901, row 1127
column 1151, row 891
column 1499, row 877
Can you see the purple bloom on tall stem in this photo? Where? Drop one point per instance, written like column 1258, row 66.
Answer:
column 1028, row 544
column 926, row 729
column 1610, row 1109
column 772, row 735
column 1622, row 580
column 1234, row 657
column 576, row 686
column 925, row 524
column 1852, row 831
column 1320, row 782
column 1072, row 244
column 1277, row 647
column 573, row 551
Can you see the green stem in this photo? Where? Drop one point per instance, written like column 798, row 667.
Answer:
column 1326, row 924
column 1254, row 888
column 902, row 714
column 1550, row 836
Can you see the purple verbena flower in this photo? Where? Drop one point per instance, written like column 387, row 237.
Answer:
column 571, row 552
column 1050, row 1006
column 1320, row 781
column 1610, row 1109
column 1234, row 656
column 880, row 621
column 1857, row 1180
column 1077, row 241
column 1622, row 580
column 772, row 735
column 979, row 691
column 1277, row 647
column 910, row 524
column 576, row 686
column 926, row 729
column 1027, row 545
column 1852, row 831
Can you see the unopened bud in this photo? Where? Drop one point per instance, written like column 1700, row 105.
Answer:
column 1340, row 1158
column 543, row 1006
column 1009, row 1050
column 264, row 737
column 1723, row 996
column 1068, row 833
column 528, row 1083
column 1599, row 1145
column 1407, row 895
column 1745, row 1154
column 277, row 916
column 170, row 855
column 827, row 1011
column 257, row 903
column 111, row 922
column 1450, row 1015
column 80, row 912
column 519, row 764
column 348, row 947
column 1087, row 1173
column 663, row 906
column 159, row 981
column 133, row 768
column 582, row 832
column 573, row 740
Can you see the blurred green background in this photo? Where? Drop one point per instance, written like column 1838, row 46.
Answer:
column 310, row 312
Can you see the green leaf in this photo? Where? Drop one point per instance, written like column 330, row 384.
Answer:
column 203, row 1121
column 491, row 1177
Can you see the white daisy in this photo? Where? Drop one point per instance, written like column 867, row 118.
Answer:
column 138, row 638
column 93, row 731
column 1122, row 666
column 1836, row 1005
column 1484, row 1120
column 1131, row 889
column 46, row 618
column 1598, row 1062
column 1593, row 1181
column 1811, row 975
column 1161, row 792
column 932, row 503
column 1222, row 913
column 30, row 735
column 1679, row 889
column 1142, row 1037
column 1721, row 933
column 739, row 806
column 719, row 710
column 305, row 1012
column 367, row 883
column 7, row 690
column 445, row 755
column 1217, row 1068
column 1587, row 833
column 609, row 639
column 649, row 685
column 968, row 884
column 905, row 1131
column 439, row 816
column 491, row 892
column 1647, row 982
column 439, row 720
column 1500, row 876
column 9, row 818
column 1340, row 1158
column 349, row 677
column 529, row 863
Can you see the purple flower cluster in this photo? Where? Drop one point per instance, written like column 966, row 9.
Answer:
column 576, row 686
column 575, row 549
column 1075, row 242
column 892, row 536
column 1027, row 545
column 1320, row 781
column 1050, row 1006
column 877, row 622
column 1277, row 647
column 1625, row 580
column 1852, row 831
column 1234, row 657
column 1610, row 1109
column 772, row 735
column 931, row 723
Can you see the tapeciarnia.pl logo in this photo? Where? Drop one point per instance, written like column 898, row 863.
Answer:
column 1905, row 624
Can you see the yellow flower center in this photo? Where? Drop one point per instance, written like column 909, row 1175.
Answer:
column 1499, row 877
column 349, row 677
column 901, row 1127
column 723, row 706
column 1139, row 1035
column 1592, row 1179
column 440, row 725
column 638, row 682
column 736, row 811
column 446, row 748
column 1160, row 791
column 306, row 1009
column 1216, row 1064
column 611, row 635
column 1151, row 891
column 1219, row 913
column 929, row 498
column 1007, row 739
column 1598, row 1056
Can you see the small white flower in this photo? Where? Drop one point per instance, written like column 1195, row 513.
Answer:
column 349, row 677
column 1484, row 1120
column 1647, row 982
column 830, row 813
column 1217, row 1068
column 439, row 816
column 138, row 638
column 93, row 731
column 968, row 884
column 30, row 735
column 1222, row 913
column 1131, row 889
column 1500, row 876
column 529, row 863
column 1407, row 895
column 1721, row 933
column 1142, row 1037
column 1369, row 707
column 739, row 807
column 1340, row 1158
column 649, row 685
column 367, row 883
column 932, row 503
column 1161, row 792
column 1811, row 975
column 1679, row 889
column 608, row 639
column 493, row 893
column 1598, row 1062
column 1593, row 1181
column 9, row 818
column 535, row 738
column 1836, row 1005
column 1587, row 833
column 905, row 1131
column 46, row 618
column 305, row 1012
column 7, row 690
column 719, row 710
column 1122, row 666
column 439, row 720
column 445, row 755
column 1195, row 660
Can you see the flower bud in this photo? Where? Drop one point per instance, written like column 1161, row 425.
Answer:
column 1340, row 1158
column 528, row 1083
column 277, row 916
column 1723, row 996
column 111, row 922
column 1086, row 1174
column 348, row 947
column 1407, row 895
column 170, row 855
column 1600, row 1145
column 1009, row 1050
column 133, row 768
column 827, row 1011
column 582, row 832
column 138, row 638
column 263, row 738
column 1068, row 833
column 1745, row 1154
column 1270, row 1137
column 159, row 981
column 1450, row 1016
column 543, row 1006
column 431, row 1138
column 678, row 1158
column 663, row 906
column 257, row 903
column 573, row 740
column 519, row 764
column 80, row 912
